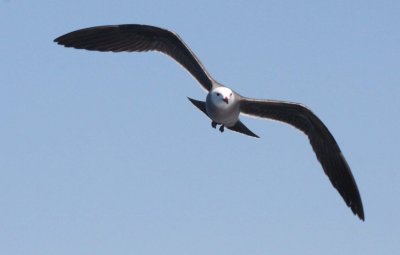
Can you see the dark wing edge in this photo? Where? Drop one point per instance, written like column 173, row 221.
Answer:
column 199, row 104
column 324, row 145
column 241, row 128
column 138, row 38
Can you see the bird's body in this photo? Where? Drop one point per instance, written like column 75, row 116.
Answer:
column 222, row 105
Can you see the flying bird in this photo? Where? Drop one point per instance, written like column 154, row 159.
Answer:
column 223, row 105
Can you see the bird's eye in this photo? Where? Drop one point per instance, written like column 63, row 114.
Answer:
column 218, row 94
column 230, row 94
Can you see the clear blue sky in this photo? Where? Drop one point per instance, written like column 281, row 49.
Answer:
column 102, row 153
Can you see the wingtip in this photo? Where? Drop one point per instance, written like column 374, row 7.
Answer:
column 360, row 215
column 57, row 40
column 358, row 209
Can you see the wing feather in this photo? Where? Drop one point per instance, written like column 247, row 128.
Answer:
column 138, row 38
column 323, row 143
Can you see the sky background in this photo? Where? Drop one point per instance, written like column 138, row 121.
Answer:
column 102, row 153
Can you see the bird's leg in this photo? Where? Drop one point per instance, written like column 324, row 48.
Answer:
column 214, row 125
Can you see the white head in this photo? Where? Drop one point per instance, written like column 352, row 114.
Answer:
column 222, row 96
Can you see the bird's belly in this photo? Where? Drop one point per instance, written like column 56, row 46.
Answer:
column 227, row 116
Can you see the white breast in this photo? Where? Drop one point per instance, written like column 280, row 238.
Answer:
column 219, row 110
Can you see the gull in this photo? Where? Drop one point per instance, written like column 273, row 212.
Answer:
column 223, row 105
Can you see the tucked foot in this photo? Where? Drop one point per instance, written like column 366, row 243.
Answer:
column 215, row 124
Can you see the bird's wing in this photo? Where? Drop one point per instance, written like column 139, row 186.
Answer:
column 322, row 142
column 118, row 38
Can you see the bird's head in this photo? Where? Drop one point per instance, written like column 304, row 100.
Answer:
column 222, row 96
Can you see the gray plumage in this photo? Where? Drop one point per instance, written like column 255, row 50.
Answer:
column 223, row 105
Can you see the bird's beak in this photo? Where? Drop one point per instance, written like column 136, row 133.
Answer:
column 225, row 100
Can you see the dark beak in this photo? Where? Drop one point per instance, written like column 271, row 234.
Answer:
column 225, row 100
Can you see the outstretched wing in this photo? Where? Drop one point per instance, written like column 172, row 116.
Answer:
column 322, row 142
column 138, row 38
